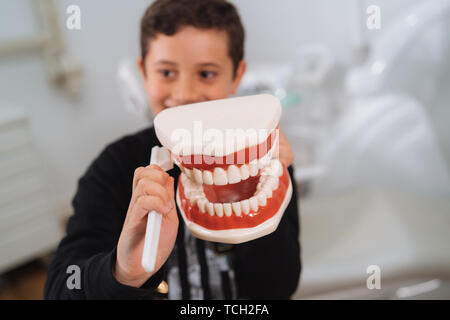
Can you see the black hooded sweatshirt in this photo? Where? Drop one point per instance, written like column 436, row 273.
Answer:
column 264, row 268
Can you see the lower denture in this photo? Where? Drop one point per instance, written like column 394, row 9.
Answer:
column 251, row 218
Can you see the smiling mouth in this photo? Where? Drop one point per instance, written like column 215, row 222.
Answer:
column 236, row 196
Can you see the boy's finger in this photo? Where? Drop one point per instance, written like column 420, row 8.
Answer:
column 149, row 172
column 145, row 204
column 151, row 188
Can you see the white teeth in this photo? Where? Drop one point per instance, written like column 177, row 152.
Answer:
column 267, row 190
column 194, row 196
column 188, row 173
column 245, row 173
column 227, row 209
column 253, row 204
column 183, row 178
column 272, row 182
column 198, row 176
column 245, row 205
column 264, row 161
column 263, row 179
column 219, row 209
column 253, row 166
column 234, row 174
column 192, row 181
column 210, row 208
column 220, row 177
column 208, row 177
column 236, row 208
column 277, row 168
column 262, row 200
column 273, row 169
column 201, row 203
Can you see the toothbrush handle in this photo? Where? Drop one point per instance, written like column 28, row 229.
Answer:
column 151, row 241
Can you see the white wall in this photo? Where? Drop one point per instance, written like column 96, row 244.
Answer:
column 71, row 133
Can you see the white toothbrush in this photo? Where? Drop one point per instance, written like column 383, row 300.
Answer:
column 161, row 157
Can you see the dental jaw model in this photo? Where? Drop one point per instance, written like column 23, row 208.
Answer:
column 232, row 187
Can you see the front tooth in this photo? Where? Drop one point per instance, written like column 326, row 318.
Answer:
column 201, row 203
column 207, row 177
column 236, row 208
column 262, row 200
column 210, row 208
column 218, row 208
column 253, row 168
column 227, row 209
column 245, row 204
column 253, row 203
column 220, row 177
column 198, row 176
column 234, row 174
column 245, row 173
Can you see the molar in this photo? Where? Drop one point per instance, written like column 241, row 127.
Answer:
column 267, row 190
column 262, row 200
column 194, row 196
column 188, row 173
column 264, row 161
column 272, row 182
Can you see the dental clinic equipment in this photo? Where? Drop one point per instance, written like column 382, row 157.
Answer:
column 384, row 135
column 132, row 90
column 387, row 50
column 232, row 187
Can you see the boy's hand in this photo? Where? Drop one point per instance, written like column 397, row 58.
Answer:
column 285, row 152
column 153, row 189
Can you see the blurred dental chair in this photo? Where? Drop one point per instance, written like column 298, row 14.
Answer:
column 385, row 198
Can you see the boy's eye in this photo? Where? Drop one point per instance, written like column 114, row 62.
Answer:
column 167, row 73
column 207, row 74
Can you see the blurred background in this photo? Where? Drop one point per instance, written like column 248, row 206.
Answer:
column 365, row 92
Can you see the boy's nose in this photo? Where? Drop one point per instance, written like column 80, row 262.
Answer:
column 185, row 92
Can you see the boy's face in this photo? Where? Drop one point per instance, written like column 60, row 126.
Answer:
column 193, row 65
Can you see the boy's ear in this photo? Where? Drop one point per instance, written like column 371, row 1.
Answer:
column 239, row 74
column 141, row 67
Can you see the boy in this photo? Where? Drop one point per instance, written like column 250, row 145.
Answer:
column 191, row 51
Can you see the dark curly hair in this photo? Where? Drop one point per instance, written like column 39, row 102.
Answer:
column 167, row 16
